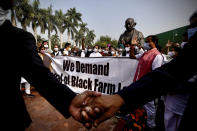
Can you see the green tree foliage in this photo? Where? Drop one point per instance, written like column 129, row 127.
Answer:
column 104, row 40
column 28, row 12
column 55, row 40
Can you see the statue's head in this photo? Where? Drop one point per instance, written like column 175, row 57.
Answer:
column 130, row 24
column 6, row 4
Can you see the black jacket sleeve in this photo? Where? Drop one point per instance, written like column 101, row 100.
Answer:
column 33, row 70
column 170, row 78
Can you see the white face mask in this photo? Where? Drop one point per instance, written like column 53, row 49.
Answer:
column 191, row 32
column 89, row 50
column 3, row 15
column 146, row 46
column 95, row 50
column 127, row 49
column 113, row 52
column 100, row 50
column 56, row 49
column 69, row 49
column 171, row 53
column 120, row 49
column 46, row 46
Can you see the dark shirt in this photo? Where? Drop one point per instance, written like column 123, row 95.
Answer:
column 24, row 61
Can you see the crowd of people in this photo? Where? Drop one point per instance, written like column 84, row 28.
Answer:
column 168, row 52
column 150, row 57
column 169, row 73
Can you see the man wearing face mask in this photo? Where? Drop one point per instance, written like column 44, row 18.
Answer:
column 89, row 51
column 56, row 51
column 46, row 46
column 130, row 34
column 148, row 61
column 95, row 52
column 67, row 49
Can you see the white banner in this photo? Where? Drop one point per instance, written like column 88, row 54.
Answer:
column 106, row 75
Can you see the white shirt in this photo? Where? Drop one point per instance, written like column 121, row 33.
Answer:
column 58, row 53
column 157, row 62
column 95, row 54
column 65, row 52
column 82, row 53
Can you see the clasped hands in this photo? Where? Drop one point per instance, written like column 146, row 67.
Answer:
column 91, row 108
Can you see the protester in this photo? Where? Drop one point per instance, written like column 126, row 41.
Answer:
column 148, row 61
column 75, row 51
column 56, row 51
column 45, row 58
column 106, row 51
column 126, row 51
column 46, row 47
column 100, row 50
column 112, row 51
column 96, row 52
column 67, row 49
column 83, row 54
column 89, row 51
column 26, row 63
column 174, row 50
column 120, row 51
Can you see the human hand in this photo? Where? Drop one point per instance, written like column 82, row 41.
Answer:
column 134, row 41
column 168, row 44
column 101, row 108
column 79, row 102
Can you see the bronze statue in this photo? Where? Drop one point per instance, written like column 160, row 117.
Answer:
column 131, row 34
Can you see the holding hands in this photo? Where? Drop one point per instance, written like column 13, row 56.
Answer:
column 92, row 108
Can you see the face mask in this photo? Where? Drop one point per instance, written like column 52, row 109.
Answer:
column 100, row 50
column 120, row 49
column 146, row 46
column 127, row 49
column 112, row 52
column 191, row 32
column 46, row 46
column 171, row 53
column 89, row 50
column 55, row 49
column 95, row 50
column 42, row 51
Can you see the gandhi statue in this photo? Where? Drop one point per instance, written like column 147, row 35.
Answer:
column 131, row 34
